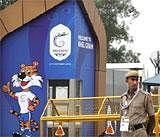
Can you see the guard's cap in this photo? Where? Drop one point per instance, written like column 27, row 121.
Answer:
column 132, row 73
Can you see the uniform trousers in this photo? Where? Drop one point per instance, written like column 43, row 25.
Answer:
column 136, row 133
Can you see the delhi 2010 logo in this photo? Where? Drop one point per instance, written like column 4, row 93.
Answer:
column 60, row 42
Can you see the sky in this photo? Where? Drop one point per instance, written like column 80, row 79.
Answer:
column 146, row 32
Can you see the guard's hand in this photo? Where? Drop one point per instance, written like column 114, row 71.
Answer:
column 6, row 88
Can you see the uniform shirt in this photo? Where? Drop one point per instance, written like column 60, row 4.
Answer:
column 138, row 109
column 24, row 99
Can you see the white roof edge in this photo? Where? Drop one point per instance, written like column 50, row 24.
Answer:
column 124, row 65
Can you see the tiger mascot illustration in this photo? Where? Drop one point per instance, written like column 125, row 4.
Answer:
column 27, row 101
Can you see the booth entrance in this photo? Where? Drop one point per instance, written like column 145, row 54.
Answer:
column 60, row 89
column 64, row 89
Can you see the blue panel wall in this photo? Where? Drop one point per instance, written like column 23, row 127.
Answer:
column 32, row 42
column 17, row 49
column 0, row 86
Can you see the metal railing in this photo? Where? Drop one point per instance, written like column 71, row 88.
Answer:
column 86, row 109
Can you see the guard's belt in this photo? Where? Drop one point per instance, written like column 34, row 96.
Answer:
column 135, row 127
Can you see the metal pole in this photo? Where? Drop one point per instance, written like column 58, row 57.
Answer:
column 41, row 128
column 157, row 119
column 158, row 62
column 113, row 82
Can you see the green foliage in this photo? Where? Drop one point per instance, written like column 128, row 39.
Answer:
column 121, row 55
column 5, row 3
column 117, row 15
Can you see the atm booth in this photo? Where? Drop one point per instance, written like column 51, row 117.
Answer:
column 70, row 61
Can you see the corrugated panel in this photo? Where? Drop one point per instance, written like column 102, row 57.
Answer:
column 3, row 30
column 153, row 80
column 52, row 3
column 32, row 9
column 12, row 16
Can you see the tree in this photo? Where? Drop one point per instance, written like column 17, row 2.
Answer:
column 121, row 55
column 5, row 3
column 116, row 14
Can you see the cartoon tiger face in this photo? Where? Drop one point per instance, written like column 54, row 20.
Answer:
column 27, row 77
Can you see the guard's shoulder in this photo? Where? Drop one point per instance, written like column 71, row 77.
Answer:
column 144, row 92
column 123, row 94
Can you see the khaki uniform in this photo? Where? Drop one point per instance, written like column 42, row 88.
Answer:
column 137, row 111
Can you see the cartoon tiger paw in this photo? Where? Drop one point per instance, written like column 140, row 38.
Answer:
column 6, row 88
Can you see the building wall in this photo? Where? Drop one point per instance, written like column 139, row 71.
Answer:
column 115, row 83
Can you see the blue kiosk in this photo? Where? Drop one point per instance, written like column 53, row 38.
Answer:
column 52, row 50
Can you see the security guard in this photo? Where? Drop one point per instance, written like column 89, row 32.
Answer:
column 135, row 106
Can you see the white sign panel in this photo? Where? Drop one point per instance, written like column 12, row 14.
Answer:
column 61, row 92
column 60, row 42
